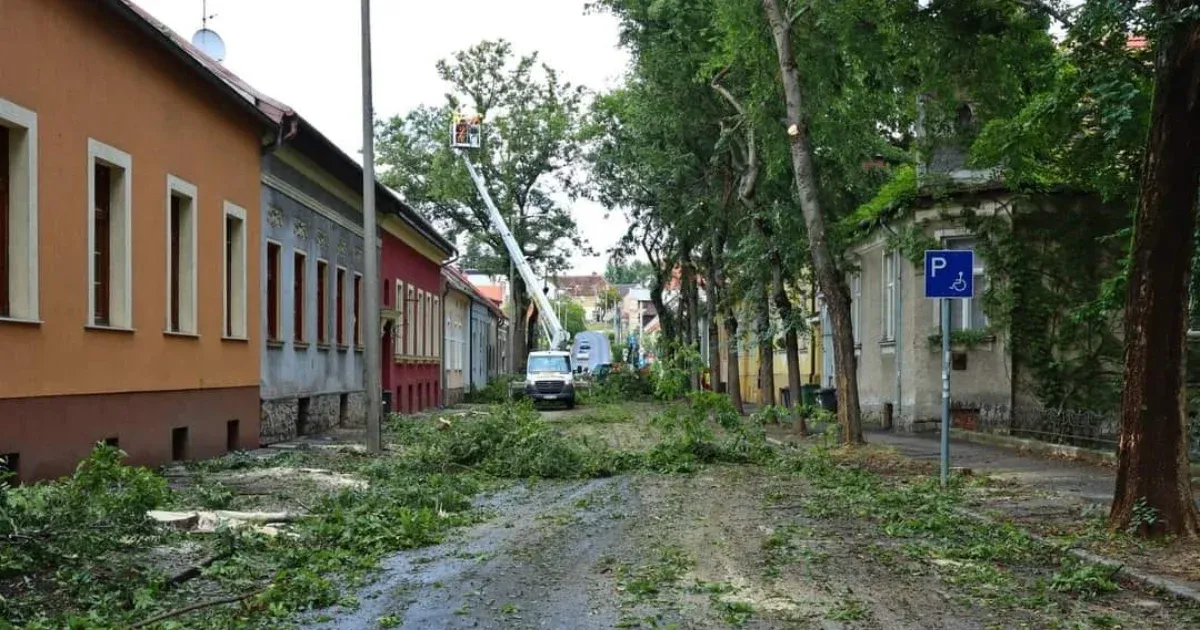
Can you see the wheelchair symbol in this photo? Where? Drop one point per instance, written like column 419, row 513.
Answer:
column 959, row 285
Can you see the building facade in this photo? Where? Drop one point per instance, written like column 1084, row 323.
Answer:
column 411, row 262
column 474, row 337
column 128, row 277
column 312, row 248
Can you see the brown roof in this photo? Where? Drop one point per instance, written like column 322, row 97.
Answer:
column 582, row 286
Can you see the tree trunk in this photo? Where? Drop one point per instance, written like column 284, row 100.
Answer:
column 714, row 331
column 690, row 300
column 1153, row 465
column 731, row 336
column 791, row 340
column 531, row 330
column 833, row 285
column 518, row 331
column 766, row 348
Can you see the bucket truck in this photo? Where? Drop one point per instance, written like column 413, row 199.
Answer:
column 548, row 373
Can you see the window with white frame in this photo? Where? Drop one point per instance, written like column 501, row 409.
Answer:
column 968, row 314
column 110, row 268
column 235, row 272
column 430, row 339
column 18, row 212
column 888, row 281
column 181, row 256
column 419, row 324
column 398, row 325
column 438, row 336
column 410, row 318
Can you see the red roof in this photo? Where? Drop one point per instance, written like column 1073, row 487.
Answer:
column 457, row 277
column 492, row 292
column 582, row 286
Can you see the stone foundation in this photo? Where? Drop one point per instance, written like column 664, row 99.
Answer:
column 453, row 397
column 278, row 420
column 356, row 409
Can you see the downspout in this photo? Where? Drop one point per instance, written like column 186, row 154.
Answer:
column 899, row 327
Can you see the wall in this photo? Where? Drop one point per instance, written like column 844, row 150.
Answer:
column 96, row 77
column 87, row 74
column 457, row 306
column 987, row 379
column 482, row 338
column 414, row 382
column 298, row 213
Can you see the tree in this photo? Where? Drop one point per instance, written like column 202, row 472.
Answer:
column 634, row 271
column 825, row 265
column 609, row 300
column 530, row 139
column 1152, row 469
column 571, row 314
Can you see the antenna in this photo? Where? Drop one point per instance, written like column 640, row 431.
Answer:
column 208, row 41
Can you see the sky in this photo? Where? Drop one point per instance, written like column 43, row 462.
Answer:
column 306, row 53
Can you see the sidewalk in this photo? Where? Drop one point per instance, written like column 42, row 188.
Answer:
column 1086, row 482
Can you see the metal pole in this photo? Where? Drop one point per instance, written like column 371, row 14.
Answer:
column 371, row 248
column 945, row 391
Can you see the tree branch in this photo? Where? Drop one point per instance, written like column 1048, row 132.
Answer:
column 194, row 607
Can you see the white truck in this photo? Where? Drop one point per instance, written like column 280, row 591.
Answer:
column 548, row 374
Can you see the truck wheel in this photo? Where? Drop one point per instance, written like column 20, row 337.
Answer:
column 571, row 403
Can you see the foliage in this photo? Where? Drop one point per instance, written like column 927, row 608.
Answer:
column 497, row 390
column 634, row 271
column 63, row 540
column 672, row 375
column 705, row 430
column 621, row 384
column 893, row 197
column 571, row 315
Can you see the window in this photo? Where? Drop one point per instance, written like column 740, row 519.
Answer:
column 357, row 309
column 322, row 298
column 437, row 326
column 181, row 256
column 18, row 212
column 968, row 314
column 398, row 327
column 110, row 272
column 299, row 261
column 339, row 303
column 856, row 306
column 235, row 272
column 273, row 297
column 890, row 262
column 419, row 325
column 410, row 329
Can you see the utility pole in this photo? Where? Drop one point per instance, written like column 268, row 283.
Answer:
column 370, row 247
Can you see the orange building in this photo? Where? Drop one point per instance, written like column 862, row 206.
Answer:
column 129, row 218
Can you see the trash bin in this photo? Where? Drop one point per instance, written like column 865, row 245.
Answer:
column 829, row 399
column 808, row 395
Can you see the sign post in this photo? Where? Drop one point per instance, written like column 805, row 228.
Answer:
column 949, row 276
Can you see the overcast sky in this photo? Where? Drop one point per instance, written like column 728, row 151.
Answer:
column 306, row 54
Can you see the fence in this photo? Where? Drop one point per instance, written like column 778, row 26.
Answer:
column 1072, row 427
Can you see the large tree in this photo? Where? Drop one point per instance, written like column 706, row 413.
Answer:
column 1154, row 490
column 530, row 143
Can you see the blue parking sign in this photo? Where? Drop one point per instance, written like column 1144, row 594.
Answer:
column 949, row 273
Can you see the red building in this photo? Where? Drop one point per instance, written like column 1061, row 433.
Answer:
column 410, row 273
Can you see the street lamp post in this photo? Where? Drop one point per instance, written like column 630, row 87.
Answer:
column 370, row 248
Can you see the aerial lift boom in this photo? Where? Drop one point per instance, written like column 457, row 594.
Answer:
column 546, row 315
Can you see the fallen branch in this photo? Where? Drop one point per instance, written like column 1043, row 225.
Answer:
column 194, row 607
column 196, row 570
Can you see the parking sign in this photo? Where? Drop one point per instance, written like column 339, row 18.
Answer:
column 949, row 273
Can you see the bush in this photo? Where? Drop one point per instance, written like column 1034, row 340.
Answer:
column 690, row 435
column 495, row 392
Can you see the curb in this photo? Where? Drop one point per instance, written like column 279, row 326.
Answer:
column 1146, row 580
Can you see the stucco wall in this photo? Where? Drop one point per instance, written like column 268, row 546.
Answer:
column 88, row 75
column 457, row 306
column 415, row 382
column 300, row 214
column 987, row 379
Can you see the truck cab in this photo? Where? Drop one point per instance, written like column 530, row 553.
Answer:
column 548, row 377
